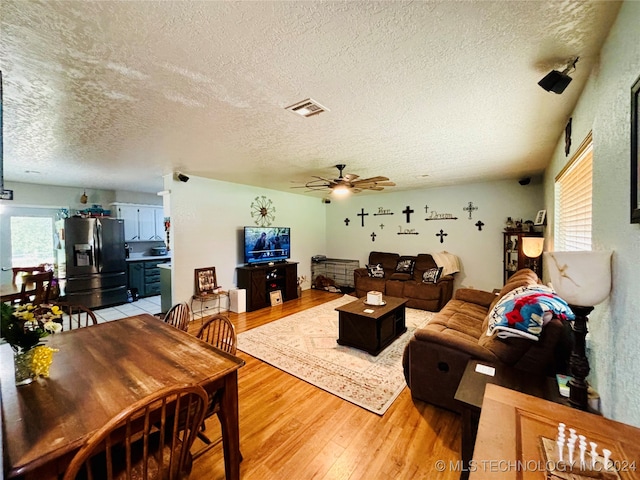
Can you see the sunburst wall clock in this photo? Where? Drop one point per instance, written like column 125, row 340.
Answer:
column 263, row 211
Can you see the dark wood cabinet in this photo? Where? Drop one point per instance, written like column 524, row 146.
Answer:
column 514, row 257
column 144, row 275
column 260, row 280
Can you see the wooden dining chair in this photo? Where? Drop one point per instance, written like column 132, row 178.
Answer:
column 20, row 272
column 147, row 440
column 36, row 288
column 219, row 332
column 179, row 316
column 76, row 316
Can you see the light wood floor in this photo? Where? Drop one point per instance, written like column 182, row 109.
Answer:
column 292, row 430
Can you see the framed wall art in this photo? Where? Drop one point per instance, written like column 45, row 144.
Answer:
column 205, row 281
column 541, row 217
column 635, row 165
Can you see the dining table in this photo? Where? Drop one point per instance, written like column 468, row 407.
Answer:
column 97, row 372
column 10, row 292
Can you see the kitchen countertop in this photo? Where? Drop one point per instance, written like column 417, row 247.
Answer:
column 143, row 258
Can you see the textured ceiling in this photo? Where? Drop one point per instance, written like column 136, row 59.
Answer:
column 117, row 94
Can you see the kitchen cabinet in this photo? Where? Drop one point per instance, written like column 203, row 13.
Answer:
column 142, row 223
column 145, row 276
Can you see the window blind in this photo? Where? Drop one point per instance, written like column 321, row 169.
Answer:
column 573, row 188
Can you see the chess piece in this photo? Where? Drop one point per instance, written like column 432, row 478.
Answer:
column 560, row 443
column 594, row 454
column 607, row 454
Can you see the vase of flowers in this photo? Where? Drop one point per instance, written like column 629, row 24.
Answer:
column 23, row 327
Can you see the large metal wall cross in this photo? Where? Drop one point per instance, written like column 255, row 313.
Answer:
column 362, row 215
column 407, row 211
column 470, row 209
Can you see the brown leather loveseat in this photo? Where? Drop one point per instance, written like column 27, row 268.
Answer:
column 421, row 295
column 436, row 356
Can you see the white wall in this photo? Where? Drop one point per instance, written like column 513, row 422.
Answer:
column 480, row 252
column 604, row 108
column 207, row 220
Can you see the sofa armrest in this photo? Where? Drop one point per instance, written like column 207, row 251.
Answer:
column 479, row 297
column 360, row 272
column 454, row 342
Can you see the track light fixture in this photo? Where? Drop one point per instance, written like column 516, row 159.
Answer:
column 556, row 81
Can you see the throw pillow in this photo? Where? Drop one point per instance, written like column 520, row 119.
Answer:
column 525, row 310
column 375, row 271
column 405, row 265
column 432, row 275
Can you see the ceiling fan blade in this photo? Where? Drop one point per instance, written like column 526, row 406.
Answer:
column 385, row 184
column 374, row 188
column 371, row 180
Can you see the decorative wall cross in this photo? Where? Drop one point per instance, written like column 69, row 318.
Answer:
column 479, row 224
column 426, row 209
column 407, row 211
column 346, row 221
column 381, row 226
column 362, row 215
column 373, row 237
column 441, row 235
column 470, row 208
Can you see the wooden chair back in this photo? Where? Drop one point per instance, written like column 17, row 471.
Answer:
column 20, row 272
column 219, row 332
column 41, row 284
column 76, row 316
column 150, row 439
column 179, row 316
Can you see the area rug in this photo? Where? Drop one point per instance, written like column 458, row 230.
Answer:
column 304, row 345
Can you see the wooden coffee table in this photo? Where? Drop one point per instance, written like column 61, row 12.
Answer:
column 371, row 328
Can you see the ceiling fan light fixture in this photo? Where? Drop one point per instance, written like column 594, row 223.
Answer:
column 340, row 190
column 307, row 108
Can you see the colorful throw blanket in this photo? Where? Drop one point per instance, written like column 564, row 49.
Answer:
column 525, row 310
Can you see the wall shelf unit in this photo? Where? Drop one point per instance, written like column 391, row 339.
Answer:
column 514, row 258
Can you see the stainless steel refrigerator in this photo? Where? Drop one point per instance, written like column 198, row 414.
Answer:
column 95, row 265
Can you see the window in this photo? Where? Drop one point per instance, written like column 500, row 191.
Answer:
column 573, row 193
column 31, row 241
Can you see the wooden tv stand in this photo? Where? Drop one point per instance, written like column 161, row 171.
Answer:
column 260, row 280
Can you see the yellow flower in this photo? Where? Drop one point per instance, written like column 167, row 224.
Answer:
column 56, row 310
column 41, row 360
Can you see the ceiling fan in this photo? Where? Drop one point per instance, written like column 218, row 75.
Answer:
column 347, row 183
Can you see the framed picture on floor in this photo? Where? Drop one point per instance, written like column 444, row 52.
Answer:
column 276, row 297
column 205, row 281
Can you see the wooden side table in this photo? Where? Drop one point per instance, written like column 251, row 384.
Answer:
column 470, row 394
column 512, row 425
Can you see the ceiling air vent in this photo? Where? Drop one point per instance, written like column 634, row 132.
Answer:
column 307, row 108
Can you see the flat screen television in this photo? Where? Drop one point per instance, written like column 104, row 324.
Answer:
column 266, row 244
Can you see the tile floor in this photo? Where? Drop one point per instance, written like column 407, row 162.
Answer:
column 144, row 305
column 149, row 305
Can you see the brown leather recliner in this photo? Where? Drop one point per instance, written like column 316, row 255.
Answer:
column 436, row 356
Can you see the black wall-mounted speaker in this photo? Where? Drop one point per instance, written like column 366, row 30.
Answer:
column 555, row 82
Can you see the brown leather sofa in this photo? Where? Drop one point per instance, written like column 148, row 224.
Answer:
column 424, row 296
column 436, row 356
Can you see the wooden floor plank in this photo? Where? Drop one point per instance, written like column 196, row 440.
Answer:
column 292, row 430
